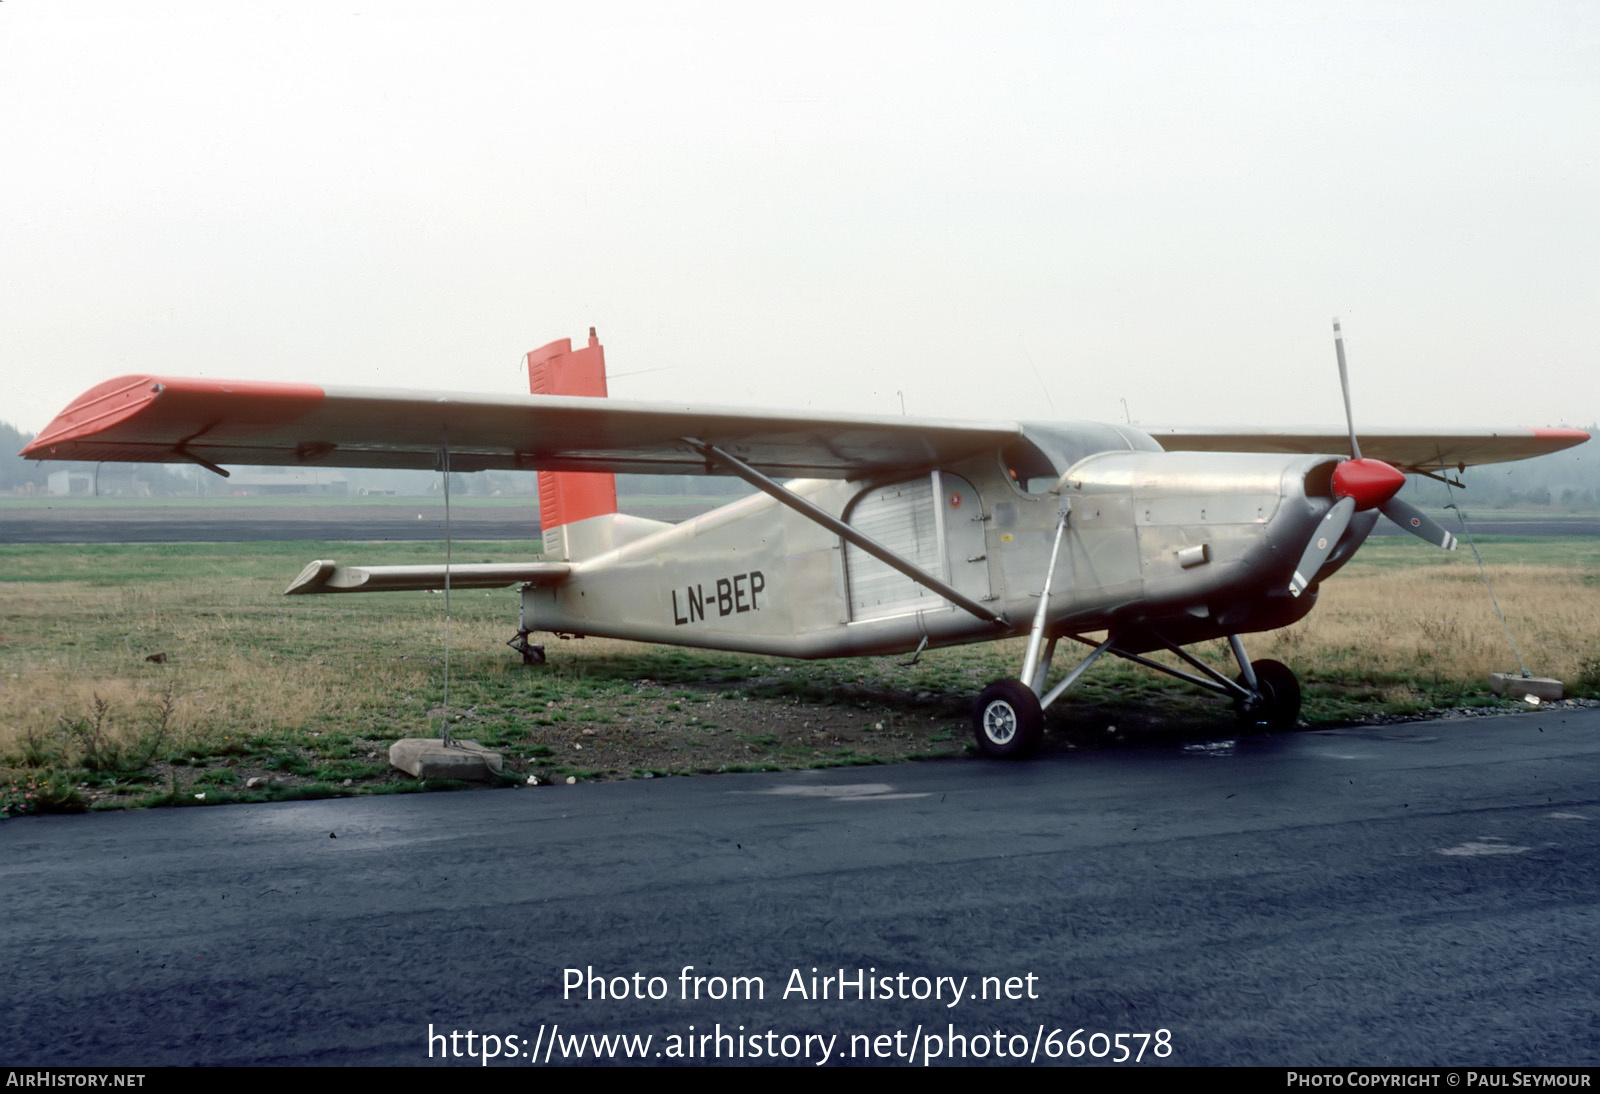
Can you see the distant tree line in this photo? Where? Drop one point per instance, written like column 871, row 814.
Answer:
column 17, row 473
column 20, row 476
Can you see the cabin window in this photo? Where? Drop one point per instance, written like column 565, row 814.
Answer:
column 1027, row 468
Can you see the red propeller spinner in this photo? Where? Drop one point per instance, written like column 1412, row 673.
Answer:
column 1369, row 483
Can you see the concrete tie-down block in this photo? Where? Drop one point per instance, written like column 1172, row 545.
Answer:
column 1517, row 686
column 431, row 758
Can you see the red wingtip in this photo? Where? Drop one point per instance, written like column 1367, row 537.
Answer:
column 137, row 417
column 99, row 408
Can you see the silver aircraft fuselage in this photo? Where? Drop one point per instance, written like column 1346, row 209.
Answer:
column 1197, row 545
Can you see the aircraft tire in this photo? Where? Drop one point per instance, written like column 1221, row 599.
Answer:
column 1279, row 707
column 1007, row 720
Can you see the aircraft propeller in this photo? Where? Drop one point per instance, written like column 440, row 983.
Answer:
column 1358, row 485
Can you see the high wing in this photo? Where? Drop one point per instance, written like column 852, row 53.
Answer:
column 153, row 419
column 1407, row 450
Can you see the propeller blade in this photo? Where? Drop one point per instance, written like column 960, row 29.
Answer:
column 1334, row 522
column 1418, row 523
column 1344, row 382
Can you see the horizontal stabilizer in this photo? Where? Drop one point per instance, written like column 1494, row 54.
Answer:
column 326, row 576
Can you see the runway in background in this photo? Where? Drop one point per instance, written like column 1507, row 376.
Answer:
column 418, row 519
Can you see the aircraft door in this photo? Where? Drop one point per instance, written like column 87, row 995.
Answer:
column 934, row 522
column 968, row 565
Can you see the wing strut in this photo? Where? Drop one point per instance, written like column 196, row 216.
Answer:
column 833, row 524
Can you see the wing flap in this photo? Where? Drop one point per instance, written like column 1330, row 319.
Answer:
column 327, row 576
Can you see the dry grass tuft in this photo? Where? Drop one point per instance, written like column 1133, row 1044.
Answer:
column 1439, row 622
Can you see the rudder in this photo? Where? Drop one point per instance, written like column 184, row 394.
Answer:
column 567, row 497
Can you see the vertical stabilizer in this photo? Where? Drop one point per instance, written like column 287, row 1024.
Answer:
column 569, row 497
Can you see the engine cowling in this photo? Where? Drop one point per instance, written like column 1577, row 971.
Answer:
column 1207, row 541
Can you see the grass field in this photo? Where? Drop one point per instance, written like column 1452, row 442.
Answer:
column 159, row 673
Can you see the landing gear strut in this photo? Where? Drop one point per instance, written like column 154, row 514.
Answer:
column 1008, row 719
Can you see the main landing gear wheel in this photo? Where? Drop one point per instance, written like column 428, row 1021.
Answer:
column 1277, row 705
column 1008, row 720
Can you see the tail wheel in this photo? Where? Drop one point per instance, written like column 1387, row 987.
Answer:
column 1007, row 720
column 1277, row 701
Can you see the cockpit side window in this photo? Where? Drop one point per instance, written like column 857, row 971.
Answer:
column 1035, row 462
column 1027, row 468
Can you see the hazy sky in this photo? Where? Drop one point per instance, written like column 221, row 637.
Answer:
column 1001, row 210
